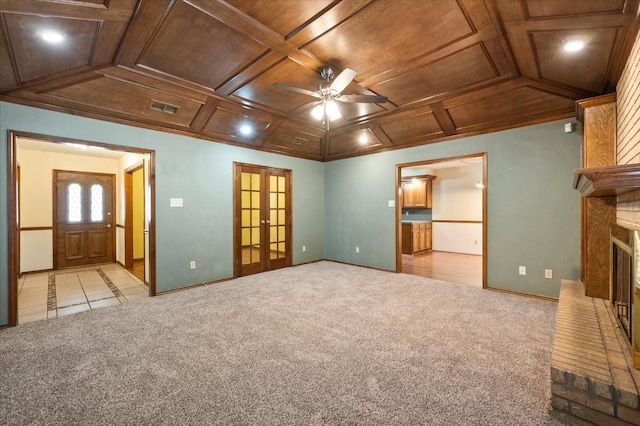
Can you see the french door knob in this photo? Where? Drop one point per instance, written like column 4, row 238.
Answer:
column 108, row 225
column 262, row 221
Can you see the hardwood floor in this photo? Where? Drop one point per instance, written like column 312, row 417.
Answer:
column 138, row 269
column 445, row 266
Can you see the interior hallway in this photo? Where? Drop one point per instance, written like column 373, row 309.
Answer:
column 51, row 294
column 445, row 266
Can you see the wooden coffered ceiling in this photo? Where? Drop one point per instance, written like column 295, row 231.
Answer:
column 449, row 68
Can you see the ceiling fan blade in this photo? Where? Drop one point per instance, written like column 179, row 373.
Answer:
column 343, row 79
column 297, row 89
column 368, row 99
column 301, row 108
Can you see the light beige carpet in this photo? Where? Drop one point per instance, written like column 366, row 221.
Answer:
column 317, row 344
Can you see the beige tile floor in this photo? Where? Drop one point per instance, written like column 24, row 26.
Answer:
column 75, row 290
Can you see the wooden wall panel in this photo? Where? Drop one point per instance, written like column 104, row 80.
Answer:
column 600, row 214
column 600, row 131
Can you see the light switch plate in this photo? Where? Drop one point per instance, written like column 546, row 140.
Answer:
column 392, row 203
column 175, row 202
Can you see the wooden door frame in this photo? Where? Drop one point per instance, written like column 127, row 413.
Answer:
column 237, row 256
column 128, row 212
column 54, row 199
column 19, row 209
column 398, row 202
column 12, row 199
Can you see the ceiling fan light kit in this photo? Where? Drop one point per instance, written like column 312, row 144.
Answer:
column 326, row 109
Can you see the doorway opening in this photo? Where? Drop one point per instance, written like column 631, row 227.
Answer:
column 262, row 219
column 68, row 221
column 441, row 219
column 135, row 232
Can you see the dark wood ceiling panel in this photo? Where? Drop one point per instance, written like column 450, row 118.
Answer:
column 130, row 99
column 504, row 106
column 8, row 79
column 585, row 69
column 107, row 10
column 294, row 139
column 407, row 29
column 228, row 123
column 261, row 91
column 281, row 16
column 352, row 111
column 84, row 3
column 547, row 9
column 195, row 47
column 458, row 71
column 35, row 59
column 403, row 130
column 449, row 68
column 352, row 142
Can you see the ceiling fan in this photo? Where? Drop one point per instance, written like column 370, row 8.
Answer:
column 325, row 108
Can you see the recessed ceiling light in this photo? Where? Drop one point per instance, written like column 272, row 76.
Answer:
column 574, row 44
column 363, row 139
column 246, row 130
column 51, row 36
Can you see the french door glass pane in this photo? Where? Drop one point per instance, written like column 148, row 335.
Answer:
column 245, row 181
column 97, row 203
column 74, row 203
column 250, row 217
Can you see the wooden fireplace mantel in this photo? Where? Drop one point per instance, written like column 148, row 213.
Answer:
column 607, row 181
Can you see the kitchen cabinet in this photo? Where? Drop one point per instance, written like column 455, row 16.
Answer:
column 416, row 237
column 417, row 192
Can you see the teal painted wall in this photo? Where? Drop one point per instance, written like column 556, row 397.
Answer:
column 198, row 171
column 532, row 213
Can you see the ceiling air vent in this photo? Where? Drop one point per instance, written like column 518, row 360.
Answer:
column 159, row 106
column 299, row 141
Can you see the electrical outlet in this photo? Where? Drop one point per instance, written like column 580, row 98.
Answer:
column 522, row 270
column 548, row 274
column 304, row 248
column 475, row 242
column 357, row 249
column 192, row 264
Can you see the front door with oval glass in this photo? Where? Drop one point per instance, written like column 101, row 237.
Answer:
column 262, row 232
column 83, row 218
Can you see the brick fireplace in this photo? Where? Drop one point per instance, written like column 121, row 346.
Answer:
column 592, row 376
